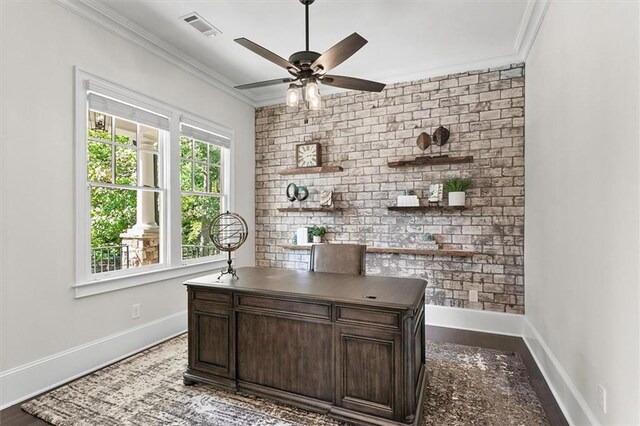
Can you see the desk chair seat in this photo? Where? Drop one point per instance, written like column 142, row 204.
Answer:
column 338, row 258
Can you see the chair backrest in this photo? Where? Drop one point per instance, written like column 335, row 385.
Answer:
column 338, row 258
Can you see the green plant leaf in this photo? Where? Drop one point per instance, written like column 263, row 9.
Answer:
column 457, row 184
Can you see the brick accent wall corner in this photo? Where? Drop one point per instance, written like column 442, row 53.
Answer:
column 484, row 111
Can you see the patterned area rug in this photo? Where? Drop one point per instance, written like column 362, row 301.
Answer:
column 467, row 385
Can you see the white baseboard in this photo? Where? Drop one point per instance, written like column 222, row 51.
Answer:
column 28, row 380
column 573, row 405
column 474, row 320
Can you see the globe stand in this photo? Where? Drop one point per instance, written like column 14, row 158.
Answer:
column 228, row 231
column 229, row 270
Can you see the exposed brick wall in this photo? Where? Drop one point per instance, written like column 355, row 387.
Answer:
column 484, row 110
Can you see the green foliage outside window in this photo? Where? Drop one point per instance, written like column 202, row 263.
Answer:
column 199, row 173
column 113, row 210
column 197, row 214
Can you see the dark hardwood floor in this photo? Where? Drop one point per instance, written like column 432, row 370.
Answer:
column 505, row 343
column 14, row 416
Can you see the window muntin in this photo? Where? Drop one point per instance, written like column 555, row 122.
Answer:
column 125, row 195
column 202, row 198
column 200, row 166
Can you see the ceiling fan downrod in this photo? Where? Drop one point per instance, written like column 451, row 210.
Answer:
column 306, row 21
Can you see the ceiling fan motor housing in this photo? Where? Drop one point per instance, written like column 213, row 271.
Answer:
column 303, row 61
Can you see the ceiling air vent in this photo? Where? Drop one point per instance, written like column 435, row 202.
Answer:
column 200, row 24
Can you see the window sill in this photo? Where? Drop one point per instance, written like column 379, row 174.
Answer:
column 90, row 288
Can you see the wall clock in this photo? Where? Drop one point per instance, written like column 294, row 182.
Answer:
column 309, row 155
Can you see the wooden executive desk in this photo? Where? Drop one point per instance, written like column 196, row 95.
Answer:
column 349, row 346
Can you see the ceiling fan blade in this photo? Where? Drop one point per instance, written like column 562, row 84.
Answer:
column 339, row 53
column 265, row 83
column 352, row 83
column 267, row 54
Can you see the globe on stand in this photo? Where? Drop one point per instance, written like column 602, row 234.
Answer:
column 228, row 232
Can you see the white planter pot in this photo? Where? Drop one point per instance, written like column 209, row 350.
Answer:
column 317, row 240
column 457, row 198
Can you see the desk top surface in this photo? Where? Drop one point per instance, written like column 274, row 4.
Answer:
column 404, row 293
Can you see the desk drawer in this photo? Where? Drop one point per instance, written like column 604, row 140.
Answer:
column 222, row 298
column 368, row 317
column 284, row 306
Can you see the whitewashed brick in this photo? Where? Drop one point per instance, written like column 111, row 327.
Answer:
column 483, row 109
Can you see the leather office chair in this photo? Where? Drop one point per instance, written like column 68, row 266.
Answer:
column 338, row 258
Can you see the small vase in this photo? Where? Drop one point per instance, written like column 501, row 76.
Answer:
column 317, row 240
column 457, row 198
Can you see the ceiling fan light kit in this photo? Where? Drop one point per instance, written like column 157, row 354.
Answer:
column 310, row 68
column 293, row 96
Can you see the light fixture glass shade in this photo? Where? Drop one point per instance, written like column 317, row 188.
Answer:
column 292, row 96
column 314, row 103
column 312, row 91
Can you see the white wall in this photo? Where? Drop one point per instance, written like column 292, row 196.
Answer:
column 41, row 44
column 582, row 206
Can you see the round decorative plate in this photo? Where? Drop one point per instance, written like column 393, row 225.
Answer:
column 423, row 141
column 441, row 136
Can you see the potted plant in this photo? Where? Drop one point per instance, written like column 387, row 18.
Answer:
column 456, row 187
column 318, row 232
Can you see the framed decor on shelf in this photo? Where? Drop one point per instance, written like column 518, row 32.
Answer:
column 309, row 155
column 326, row 199
column 435, row 193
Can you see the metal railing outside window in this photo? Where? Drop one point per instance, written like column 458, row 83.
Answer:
column 197, row 251
column 109, row 258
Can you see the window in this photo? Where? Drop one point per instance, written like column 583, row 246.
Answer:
column 203, row 162
column 150, row 180
column 200, row 184
column 123, row 176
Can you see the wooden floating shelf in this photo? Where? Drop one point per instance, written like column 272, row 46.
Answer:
column 306, row 247
column 397, row 250
column 423, row 252
column 310, row 170
column 419, row 208
column 308, row 209
column 433, row 161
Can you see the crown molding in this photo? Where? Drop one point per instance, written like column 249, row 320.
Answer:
column 531, row 22
column 110, row 20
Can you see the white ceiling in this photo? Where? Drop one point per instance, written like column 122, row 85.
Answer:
column 407, row 39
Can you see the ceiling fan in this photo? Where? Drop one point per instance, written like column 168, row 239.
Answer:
column 310, row 68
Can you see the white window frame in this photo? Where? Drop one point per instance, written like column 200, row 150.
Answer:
column 225, row 159
column 163, row 141
column 171, row 264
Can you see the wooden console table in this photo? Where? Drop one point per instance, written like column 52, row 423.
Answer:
column 352, row 347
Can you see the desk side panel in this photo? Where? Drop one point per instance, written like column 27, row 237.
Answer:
column 211, row 338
